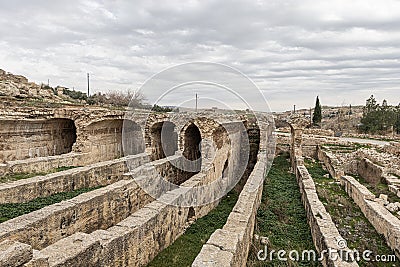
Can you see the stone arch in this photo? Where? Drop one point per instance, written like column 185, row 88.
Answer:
column 21, row 139
column 103, row 139
column 191, row 214
column 163, row 140
column 192, row 143
column 132, row 138
column 225, row 169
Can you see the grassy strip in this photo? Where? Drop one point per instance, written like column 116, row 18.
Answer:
column 185, row 249
column 281, row 217
column 12, row 210
column 19, row 176
column 347, row 216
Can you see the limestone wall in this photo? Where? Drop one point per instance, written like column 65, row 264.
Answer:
column 324, row 232
column 325, row 235
column 87, row 212
column 330, row 162
column 370, row 171
column 35, row 138
column 383, row 221
column 14, row 253
column 282, row 142
column 45, row 164
column 135, row 240
column 132, row 242
column 103, row 139
column 229, row 246
column 98, row 174
column 317, row 131
column 393, row 148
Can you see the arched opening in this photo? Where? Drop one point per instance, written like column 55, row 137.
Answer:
column 164, row 140
column 192, row 144
column 191, row 215
column 133, row 142
column 253, row 134
column 104, row 139
column 23, row 139
column 68, row 136
column 225, row 170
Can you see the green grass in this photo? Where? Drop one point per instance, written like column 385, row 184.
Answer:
column 19, row 176
column 347, row 216
column 13, row 210
column 281, row 217
column 185, row 249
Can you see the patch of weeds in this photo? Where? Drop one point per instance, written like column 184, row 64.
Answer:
column 12, row 210
column 19, row 176
column 281, row 217
column 185, row 249
column 347, row 216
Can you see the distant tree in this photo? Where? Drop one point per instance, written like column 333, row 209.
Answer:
column 379, row 119
column 134, row 99
column 137, row 98
column 371, row 105
column 75, row 94
column 158, row 108
column 317, row 117
column 397, row 124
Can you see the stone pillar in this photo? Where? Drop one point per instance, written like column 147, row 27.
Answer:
column 297, row 124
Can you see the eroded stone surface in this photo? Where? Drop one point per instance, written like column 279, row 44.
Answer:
column 14, row 253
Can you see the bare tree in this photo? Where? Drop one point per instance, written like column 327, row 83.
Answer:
column 134, row 98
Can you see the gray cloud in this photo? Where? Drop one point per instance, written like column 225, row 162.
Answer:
column 293, row 50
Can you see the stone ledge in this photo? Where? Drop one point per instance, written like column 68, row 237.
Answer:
column 383, row 221
column 135, row 240
column 87, row 212
column 14, row 253
column 331, row 163
column 102, row 173
column 229, row 246
column 75, row 250
column 323, row 230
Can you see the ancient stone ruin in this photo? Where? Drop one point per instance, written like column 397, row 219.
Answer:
column 118, row 223
column 86, row 181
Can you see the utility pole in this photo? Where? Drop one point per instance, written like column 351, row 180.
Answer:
column 196, row 102
column 294, row 109
column 88, row 85
column 310, row 117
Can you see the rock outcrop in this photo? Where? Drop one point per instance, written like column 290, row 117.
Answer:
column 19, row 87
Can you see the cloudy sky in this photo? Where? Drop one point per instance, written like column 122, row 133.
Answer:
column 342, row 51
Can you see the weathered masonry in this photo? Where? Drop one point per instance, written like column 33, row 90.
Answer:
column 122, row 222
column 30, row 138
